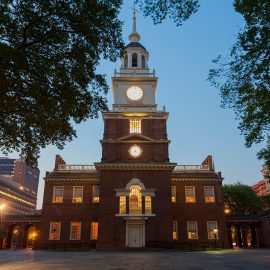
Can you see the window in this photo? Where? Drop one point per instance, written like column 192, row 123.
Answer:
column 95, row 194
column 175, row 230
column 55, row 227
column 212, row 230
column 122, row 205
column 77, row 194
column 134, row 60
column 135, row 200
column 173, row 191
column 75, row 230
column 209, row 194
column 190, row 194
column 58, row 194
column 148, row 205
column 94, row 230
column 192, row 230
column 134, row 126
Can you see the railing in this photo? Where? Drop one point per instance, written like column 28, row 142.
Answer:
column 80, row 167
column 134, row 73
column 191, row 168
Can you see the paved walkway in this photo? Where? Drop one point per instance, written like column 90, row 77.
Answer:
column 256, row 259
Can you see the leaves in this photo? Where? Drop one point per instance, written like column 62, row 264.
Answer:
column 49, row 51
column 244, row 80
column 177, row 10
column 241, row 199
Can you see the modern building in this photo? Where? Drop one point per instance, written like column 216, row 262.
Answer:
column 135, row 196
column 18, row 186
column 21, row 173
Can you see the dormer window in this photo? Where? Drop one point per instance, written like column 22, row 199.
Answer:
column 135, row 126
column 134, row 60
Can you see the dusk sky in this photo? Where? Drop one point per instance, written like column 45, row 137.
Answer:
column 197, row 126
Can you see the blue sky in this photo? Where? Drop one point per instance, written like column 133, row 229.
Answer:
column 197, row 126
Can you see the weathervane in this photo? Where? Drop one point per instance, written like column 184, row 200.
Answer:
column 134, row 18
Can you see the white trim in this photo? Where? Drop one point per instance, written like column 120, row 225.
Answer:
column 213, row 190
column 70, row 231
column 54, row 194
column 51, row 230
column 135, row 181
column 73, row 194
column 193, row 195
column 207, row 222
column 196, row 229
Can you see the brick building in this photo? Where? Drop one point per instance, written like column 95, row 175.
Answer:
column 133, row 197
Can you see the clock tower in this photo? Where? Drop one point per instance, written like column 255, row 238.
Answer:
column 135, row 171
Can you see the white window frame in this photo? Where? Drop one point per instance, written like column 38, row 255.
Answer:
column 74, row 187
column 173, row 194
column 193, row 187
column 175, row 229
column 138, row 124
column 149, row 203
column 213, row 190
column 215, row 227
column 189, row 221
column 53, row 198
column 93, row 188
column 50, row 232
column 80, row 228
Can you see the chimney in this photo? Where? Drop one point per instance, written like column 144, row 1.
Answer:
column 209, row 162
column 58, row 161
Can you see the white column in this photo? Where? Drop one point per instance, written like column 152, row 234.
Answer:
column 129, row 60
column 139, row 60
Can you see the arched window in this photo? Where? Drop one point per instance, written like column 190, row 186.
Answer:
column 143, row 61
column 134, row 60
column 135, row 200
column 125, row 61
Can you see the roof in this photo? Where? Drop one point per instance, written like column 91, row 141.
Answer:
column 255, row 217
column 134, row 45
column 55, row 175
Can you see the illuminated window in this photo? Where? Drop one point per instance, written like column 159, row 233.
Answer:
column 75, row 230
column 122, row 205
column 209, row 194
column 55, row 228
column 190, row 194
column 175, row 230
column 135, row 126
column 95, row 194
column 192, row 230
column 94, row 230
column 77, row 194
column 173, row 191
column 58, row 194
column 212, row 230
column 148, row 205
column 135, row 200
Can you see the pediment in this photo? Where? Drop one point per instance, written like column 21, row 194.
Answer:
column 135, row 136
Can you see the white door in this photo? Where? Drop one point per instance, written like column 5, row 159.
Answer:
column 135, row 235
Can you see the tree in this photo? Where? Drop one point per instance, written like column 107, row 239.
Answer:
column 49, row 52
column 241, row 199
column 244, row 79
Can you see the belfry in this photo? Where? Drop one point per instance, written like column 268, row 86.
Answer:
column 135, row 196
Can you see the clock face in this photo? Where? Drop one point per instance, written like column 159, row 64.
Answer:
column 134, row 93
column 135, row 151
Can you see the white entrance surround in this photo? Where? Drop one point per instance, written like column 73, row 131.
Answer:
column 135, row 233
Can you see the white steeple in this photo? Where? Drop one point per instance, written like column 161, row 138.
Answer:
column 134, row 36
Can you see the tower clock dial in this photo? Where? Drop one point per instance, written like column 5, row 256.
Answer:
column 135, row 151
column 134, row 93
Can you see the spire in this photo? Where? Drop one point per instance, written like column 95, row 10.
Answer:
column 134, row 36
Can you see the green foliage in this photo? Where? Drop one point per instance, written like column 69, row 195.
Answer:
column 177, row 10
column 266, row 202
column 244, row 80
column 241, row 199
column 49, row 51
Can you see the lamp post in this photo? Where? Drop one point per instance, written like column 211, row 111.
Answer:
column 215, row 236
